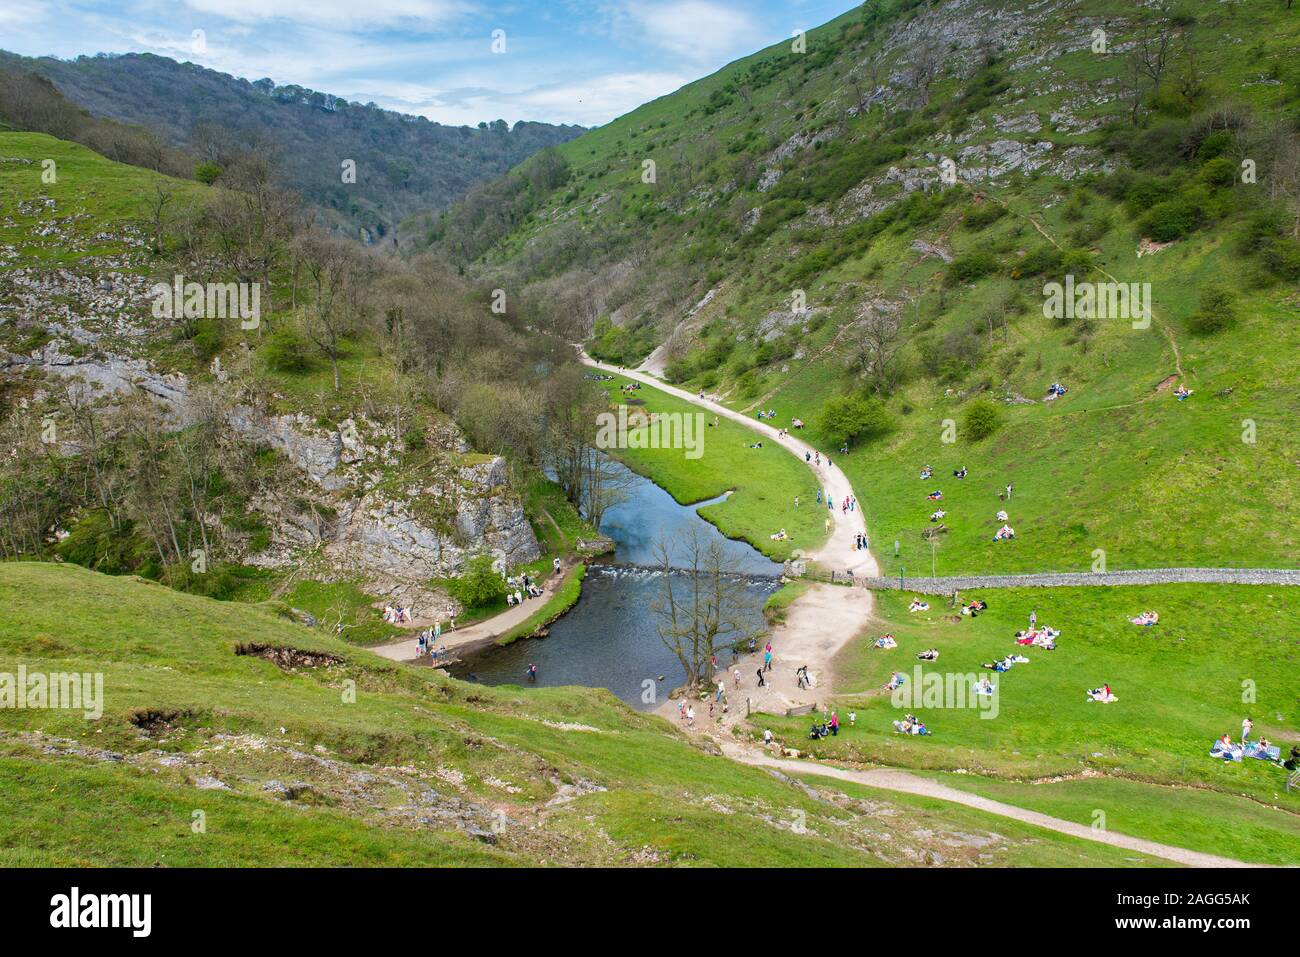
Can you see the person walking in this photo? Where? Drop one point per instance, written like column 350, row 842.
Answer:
column 761, row 682
column 1246, row 727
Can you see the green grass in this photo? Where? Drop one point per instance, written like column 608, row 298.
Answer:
column 1180, row 685
column 779, row 602
column 1200, row 820
column 1069, row 851
column 409, row 732
column 763, row 482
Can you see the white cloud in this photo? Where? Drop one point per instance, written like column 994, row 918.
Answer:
column 695, row 29
column 588, row 101
column 342, row 14
column 17, row 14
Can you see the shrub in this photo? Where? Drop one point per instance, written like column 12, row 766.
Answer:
column 1170, row 220
column 849, row 417
column 480, row 585
column 982, row 216
column 207, row 172
column 286, row 351
column 1215, row 312
column 970, row 267
column 982, row 419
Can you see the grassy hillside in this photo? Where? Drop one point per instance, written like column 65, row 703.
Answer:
column 404, row 164
column 317, row 753
column 818, row 177
column 1218, row 654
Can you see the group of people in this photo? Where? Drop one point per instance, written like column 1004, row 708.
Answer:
column 885, row 641
column 975, row 606
column 426, row 641
column 828, row 728
column 1005, row 664
column 520, row 587
column 1055, row 391
column 911, row 724
column 397, row 615
column 1004, row 533
column 1262, row 750
column 1044, row 637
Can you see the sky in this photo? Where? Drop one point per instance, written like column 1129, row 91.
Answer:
column 556, row 61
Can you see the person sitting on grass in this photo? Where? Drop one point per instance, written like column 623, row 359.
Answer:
column 930, row 654
column 1002, row 515
column 1004, row 533
column 887, row 641
column 937, row 514
column 1146, row 619
column 896, row 680
column 1102, row 694
column 935, row 496
column 1182, row 392
column 926, row 472
column 918, row 605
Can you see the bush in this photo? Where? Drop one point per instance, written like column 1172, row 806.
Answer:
column 982, row 216
column 970, row 268
column 982, row 419
column 207, row 172
column 481, row 585
column 286, row 351
column 1170, row 220
column 1216, row 311
column 847, row 418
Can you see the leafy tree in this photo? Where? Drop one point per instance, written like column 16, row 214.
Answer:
column 480, row 585
column 849, row 417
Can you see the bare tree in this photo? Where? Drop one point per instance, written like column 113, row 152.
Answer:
column 703, row 604
column 877, row 345
column 333, row 271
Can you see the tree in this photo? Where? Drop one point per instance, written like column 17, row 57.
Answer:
column 846, row 418
column 334, row 272
column 703, row 605
column 876, row 347
column 479, row 585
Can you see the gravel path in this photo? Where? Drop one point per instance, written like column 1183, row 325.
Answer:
column 892, row 780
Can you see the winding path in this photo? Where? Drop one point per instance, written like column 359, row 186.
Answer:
column 826, row 617
column 837, row 552
column 890, row 779
column 475, row 636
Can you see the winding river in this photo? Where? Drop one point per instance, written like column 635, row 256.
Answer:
column 609, row 639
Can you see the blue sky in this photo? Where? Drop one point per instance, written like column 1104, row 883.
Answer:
column 565, row 61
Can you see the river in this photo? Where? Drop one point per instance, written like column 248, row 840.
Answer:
column 609, row 639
